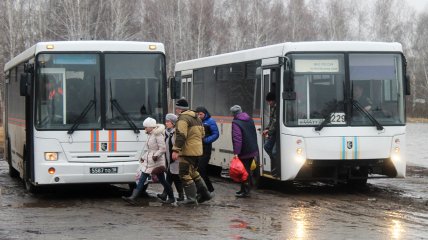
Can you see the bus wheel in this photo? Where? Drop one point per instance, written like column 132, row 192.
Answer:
column 357, row 182
column 361, row 181
column 12, row 171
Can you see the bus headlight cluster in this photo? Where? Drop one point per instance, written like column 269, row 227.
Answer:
column 51, row 156
column 395, row 156
column 299, row 155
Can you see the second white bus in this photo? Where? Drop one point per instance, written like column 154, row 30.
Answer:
column 323, row 130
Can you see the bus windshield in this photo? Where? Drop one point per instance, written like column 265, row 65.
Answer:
column 374, row 96
column 319, row 86
column 134, row 84
column 377, row 86
column 67, row 84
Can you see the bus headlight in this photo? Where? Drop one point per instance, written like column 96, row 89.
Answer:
column 395, row 157
column 51, row 156
column 299, row 155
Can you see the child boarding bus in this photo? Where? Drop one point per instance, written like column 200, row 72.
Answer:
column 325, row 129
column 74, row 110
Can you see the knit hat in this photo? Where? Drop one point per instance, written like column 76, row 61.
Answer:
column 182, row 104
column 149, row 122
column 201, row 109
column 270, row 96
column 171, row 117
column 235, row 109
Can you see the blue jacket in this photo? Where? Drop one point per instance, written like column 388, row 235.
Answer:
column 211, row 129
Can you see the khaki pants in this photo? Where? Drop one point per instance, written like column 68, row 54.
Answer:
column 188, row 170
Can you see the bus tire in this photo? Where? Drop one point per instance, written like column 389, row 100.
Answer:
column 13, row 173
column 357, row 182
column 26, row 178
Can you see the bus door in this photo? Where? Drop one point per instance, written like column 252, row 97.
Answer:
column 186, row 88
column 269, row 79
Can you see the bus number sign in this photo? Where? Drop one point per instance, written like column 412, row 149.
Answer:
column 337, row 118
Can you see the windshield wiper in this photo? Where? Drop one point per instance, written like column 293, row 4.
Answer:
column 124, row 115
column 327, row 118
column 369, row 116
column 81, row 116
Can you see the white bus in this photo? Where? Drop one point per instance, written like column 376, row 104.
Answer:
column 74, row 110
column 323, row 131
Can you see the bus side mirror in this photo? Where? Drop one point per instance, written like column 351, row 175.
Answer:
column 289, row 93
column 407, row 85
column 174, row 88
column 24, row 84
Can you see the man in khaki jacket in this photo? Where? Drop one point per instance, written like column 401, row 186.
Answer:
column 188, row 149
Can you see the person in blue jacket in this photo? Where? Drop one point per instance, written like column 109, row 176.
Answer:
column 211, row 134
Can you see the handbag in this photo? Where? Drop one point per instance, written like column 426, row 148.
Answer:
column 158, row 170
column 237, row 170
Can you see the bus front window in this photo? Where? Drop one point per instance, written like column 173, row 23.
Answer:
column 65, row 85
column 376, row 82
column 319, row 81
column 134, row 84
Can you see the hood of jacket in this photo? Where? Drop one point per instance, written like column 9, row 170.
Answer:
column 205, row 111
column 159, row 129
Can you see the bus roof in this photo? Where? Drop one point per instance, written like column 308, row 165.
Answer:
column 281, row 49
column 84, row 46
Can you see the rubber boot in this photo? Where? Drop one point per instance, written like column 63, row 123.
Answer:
column 204, row 194
column 132, row 199
column 241, row 190
column 246, row 192
column 190, row 191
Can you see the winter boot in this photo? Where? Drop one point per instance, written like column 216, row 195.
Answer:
column 169, row 200
column 180, row 196
column 240, row 191
column 132, row 199
column 162, row 196
column 190, row 191
column 246, row 192
column 204, row 194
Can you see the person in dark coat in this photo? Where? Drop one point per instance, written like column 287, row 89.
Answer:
column 211, row 134
column 270, row 133
column 244, row 139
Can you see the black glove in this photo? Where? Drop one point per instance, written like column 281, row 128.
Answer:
column 155, row 158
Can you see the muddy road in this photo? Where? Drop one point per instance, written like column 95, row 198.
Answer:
column 385, row 209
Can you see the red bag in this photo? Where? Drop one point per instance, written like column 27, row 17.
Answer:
column 237, row 170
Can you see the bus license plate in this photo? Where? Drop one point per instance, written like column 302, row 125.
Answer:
column 102, row 170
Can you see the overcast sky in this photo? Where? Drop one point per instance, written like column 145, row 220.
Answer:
column 419, row 5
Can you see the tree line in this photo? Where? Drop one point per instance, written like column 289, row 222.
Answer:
column 198, row 28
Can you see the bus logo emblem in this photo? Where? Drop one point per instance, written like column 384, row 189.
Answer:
column 349, row 144
column 104, row 146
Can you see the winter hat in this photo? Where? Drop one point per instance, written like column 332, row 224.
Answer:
column 182, row 104
column 171, row 117
column 201, row 109
column 270, row 96
column 235, row 109
column 149, row 122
